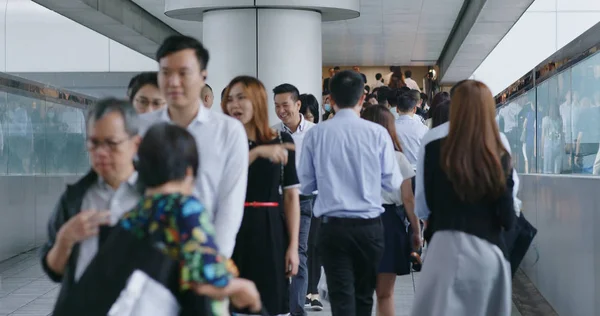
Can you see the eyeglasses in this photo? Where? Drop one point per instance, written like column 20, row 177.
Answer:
column 113, row 145
column 145, row 102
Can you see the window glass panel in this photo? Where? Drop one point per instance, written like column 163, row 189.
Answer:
column 585, row 115
column 65, row 130
column 3, row 134
column 508, row 122
column 20, row 134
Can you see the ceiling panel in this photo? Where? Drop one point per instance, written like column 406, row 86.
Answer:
column 390, row 28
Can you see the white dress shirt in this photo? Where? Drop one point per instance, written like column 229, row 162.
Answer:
column 410, row 131
column 298, row 135
column 223, row 168
column 412, row 84
column 407, row 171
column 101, row 197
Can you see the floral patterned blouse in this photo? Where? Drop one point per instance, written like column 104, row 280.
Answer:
column 180, row 226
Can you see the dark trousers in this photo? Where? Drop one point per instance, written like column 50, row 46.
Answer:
column 300, row 281
column 314, row 261
column 350, row 249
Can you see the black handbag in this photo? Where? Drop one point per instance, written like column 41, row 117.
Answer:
column 518, row 240
column 106, row 276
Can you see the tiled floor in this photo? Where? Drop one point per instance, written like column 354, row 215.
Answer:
column 25, row 290
column 403, row 297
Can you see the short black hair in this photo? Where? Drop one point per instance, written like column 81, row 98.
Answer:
column 382, row 94
column 177, row 43
column 336, row 68
column 347, row 87
column 165, row 154
column 310, row 103
column 407, row 102
column 416, row 94
column 408, row 74
column 392, row 97
column 404, row 89
column 143, row 79
column 424, row 97
column 378, row 76
column 209, row 87
column 132, row 83
column 112, row 105
column 326, row 92
column 287, row 88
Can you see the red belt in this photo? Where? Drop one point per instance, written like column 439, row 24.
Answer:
column 261, row 204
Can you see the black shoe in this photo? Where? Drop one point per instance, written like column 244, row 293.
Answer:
column 316, row 305
column 307, row 302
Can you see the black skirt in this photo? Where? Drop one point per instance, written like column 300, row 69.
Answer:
column 397, row 249
column 259, row 254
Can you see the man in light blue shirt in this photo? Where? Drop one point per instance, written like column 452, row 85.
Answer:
column 349, row 160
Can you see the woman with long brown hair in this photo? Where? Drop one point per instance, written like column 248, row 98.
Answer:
column 466, row 187
column 398, row 207
column 266, row 249
column 397, row 78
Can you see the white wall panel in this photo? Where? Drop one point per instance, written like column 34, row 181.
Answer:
column 519, row 51
column 2, row 35
column 526, row 45
column 123, row 58
column 572, row 24
column 35, row 39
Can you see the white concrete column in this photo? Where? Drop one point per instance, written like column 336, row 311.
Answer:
column 289, row 51
column 275, row 41
column 230, row 37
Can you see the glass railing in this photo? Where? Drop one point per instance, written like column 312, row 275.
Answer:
column 553, row 121
column 42, row 129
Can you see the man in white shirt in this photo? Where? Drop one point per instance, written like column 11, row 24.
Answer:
column 409, row 130
column 287, row 107
column 378, row 80
column 207, row 96
column 222, row 141
column 410, row 82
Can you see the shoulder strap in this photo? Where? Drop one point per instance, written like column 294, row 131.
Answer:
column 282, row 165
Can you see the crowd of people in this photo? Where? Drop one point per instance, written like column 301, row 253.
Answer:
column 251, row 212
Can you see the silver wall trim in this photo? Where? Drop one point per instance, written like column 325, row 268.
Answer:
column 28, row 88
column 566, row 212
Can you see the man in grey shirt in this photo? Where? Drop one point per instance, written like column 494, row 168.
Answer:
column 81, row 217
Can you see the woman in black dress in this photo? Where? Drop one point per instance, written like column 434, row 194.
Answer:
column 266, row 249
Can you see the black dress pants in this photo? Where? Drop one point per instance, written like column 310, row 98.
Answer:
column 314, row 261
column 350, row 250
